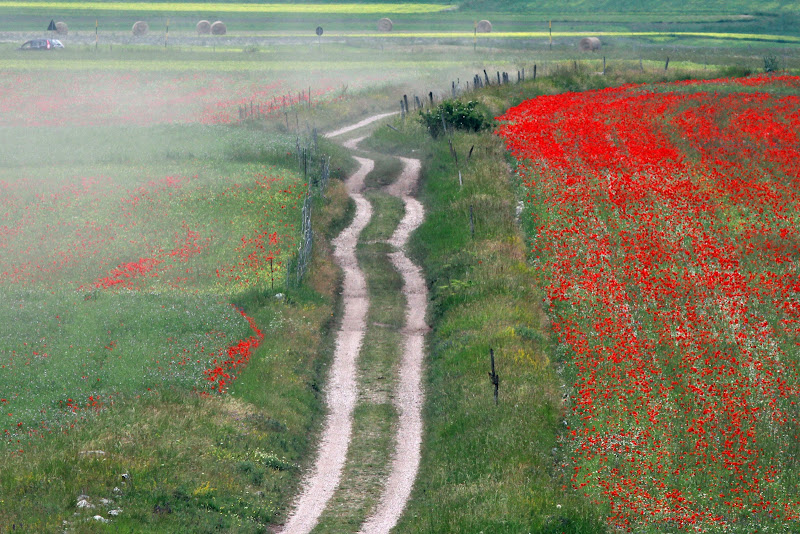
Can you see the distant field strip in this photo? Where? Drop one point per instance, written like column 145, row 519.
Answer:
column 233, row 8
column 58, row 64
column 545, row 35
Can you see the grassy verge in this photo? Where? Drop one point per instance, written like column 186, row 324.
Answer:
column 174, row 459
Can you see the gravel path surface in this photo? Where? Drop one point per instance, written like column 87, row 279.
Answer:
column 356, row 126
column 341, row 388
column 409, row 395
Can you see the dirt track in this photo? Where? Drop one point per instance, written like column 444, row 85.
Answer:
column 369, row 120
column 408, row 396
column 342, row 389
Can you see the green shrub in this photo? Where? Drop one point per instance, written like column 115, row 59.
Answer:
column 468, row 116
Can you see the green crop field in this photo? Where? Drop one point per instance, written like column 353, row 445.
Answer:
column 427, row 20
column 231, row 7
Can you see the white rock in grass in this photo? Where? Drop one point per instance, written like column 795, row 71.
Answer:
column 115, row 511
column 100, row 518
column 84, row 503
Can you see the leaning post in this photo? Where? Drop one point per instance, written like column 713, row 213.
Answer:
column 493, row 376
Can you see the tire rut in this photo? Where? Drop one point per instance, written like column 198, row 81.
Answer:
column 409, row 394
column 342, row 389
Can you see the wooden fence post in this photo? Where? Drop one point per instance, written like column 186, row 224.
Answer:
column 494, row 377
column 472, row 228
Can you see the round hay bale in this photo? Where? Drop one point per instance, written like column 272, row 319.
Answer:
column 140, row 27
column 61, row 28
column 484, row 26
column 589, row 44
column 218, row 28
column 385, row 25
column 203, row 27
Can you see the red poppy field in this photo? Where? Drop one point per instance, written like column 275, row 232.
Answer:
column 665, row 222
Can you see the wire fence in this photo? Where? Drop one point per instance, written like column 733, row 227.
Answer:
column 316, row 170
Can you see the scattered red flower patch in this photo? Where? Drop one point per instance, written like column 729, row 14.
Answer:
column 127, row 271
column 665, row 219
column 234, row 358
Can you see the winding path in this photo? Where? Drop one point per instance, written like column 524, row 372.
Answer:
column 361, row 124
column 342, row 389
column 409, row 397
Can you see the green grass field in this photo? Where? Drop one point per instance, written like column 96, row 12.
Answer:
column 230, row 7
column 137, row 225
